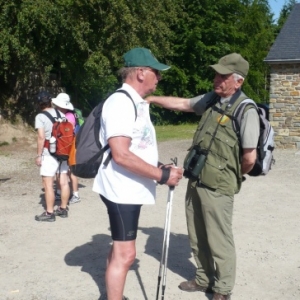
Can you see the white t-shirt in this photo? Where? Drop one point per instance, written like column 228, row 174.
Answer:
column 118, row 119
column 42, row 121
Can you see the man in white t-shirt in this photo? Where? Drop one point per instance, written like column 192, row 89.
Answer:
column 49, row 165
column 129, row 179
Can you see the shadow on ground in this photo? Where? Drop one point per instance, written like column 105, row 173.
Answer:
column 91, row 257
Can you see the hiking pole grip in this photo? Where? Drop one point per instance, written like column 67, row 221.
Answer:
column 174, row 160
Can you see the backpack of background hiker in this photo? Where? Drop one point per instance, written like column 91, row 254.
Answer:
column 266, row 143
column 63, row 132
column 79, row 119
column 87, row 152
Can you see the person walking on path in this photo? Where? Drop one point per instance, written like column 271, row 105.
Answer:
column 129, row 179
column 47, row 163
column 210, row 192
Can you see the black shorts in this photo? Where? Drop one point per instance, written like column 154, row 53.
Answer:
column 123, row 220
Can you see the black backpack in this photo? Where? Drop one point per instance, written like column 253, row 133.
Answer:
column 87, row 152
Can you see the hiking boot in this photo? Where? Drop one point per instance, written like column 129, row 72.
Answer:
column 218, row 296
column 74, row 199
column 45, row 217
column 192, row 286
column 60, row 212
column 104, row 297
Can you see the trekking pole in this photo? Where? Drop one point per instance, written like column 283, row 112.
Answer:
column 164, row 255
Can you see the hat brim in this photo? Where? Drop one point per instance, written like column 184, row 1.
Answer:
column 62, row 105
column 221, row 69
column 160, row 67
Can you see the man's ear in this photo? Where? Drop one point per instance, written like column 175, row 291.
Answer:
column 140, row 73
column 240, row 82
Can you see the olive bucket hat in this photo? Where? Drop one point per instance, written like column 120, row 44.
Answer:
column 232, row 63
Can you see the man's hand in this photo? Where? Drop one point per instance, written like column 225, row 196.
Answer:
column 38, row 160
column 175, row 176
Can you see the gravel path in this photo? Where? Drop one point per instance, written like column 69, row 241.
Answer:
column 65, row 260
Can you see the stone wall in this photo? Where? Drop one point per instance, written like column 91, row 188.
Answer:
column 285, row 104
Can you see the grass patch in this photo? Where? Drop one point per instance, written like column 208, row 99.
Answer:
column 175, row 132
column 4, row 144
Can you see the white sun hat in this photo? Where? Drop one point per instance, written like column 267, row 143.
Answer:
column 62, row 100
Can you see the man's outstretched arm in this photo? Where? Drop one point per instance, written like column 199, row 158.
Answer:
column 172, row 103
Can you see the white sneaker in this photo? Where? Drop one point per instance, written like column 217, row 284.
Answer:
column 74, row 199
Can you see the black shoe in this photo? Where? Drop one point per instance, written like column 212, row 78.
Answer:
column 45, row 217
column 61, row 212
column 104, row 297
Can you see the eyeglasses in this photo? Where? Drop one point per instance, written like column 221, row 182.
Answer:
column 156, row 72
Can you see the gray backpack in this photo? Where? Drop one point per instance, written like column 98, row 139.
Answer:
column 266, row 143
column 87, row 152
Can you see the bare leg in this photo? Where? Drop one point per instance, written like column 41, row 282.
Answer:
column 65, row 189
column 119, row 260
column 74, row 182
column 49, row 193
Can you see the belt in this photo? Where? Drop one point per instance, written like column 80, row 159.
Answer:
column 200, row 184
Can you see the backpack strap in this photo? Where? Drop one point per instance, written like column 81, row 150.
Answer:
column 128, row 95
column 109, row 156
column 52, row 119
column 239, row 113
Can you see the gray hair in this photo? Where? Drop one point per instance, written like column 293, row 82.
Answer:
column 237, row 77
column 126, row 72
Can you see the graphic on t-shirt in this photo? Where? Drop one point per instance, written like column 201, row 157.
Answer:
column 142, row 127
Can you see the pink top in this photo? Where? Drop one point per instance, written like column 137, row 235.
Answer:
column 71, row 118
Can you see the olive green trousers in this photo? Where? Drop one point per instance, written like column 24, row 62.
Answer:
column 209, row 223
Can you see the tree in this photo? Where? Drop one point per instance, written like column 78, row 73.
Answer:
column 209, row 30
column 285, row 11
column 80, row 41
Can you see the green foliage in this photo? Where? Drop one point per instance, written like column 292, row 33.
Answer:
column 82, row 42
column 285, row 11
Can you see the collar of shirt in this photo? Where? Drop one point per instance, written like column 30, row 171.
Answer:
column 224, row 100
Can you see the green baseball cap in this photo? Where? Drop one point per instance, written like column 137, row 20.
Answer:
column 142, row 57
column 232, row 63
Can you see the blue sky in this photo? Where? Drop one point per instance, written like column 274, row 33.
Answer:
column 276, row 6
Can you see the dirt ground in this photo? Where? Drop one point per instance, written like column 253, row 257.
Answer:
column 65, row 259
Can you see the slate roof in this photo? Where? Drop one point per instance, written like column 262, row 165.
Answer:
column 286, row 47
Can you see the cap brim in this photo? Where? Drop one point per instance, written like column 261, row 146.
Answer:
column 160, row 67
column 221, row 69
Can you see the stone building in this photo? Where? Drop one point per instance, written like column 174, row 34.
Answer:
column 284, row 61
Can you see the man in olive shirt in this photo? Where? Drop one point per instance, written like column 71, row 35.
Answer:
column 210, row 196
